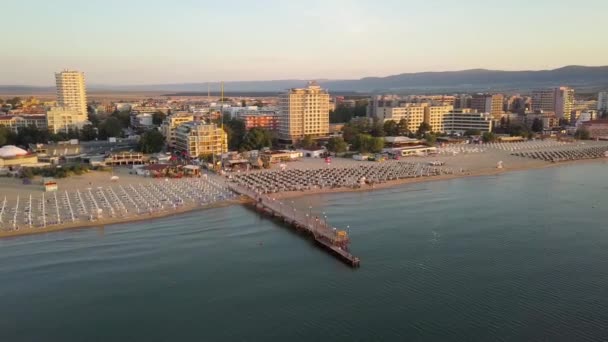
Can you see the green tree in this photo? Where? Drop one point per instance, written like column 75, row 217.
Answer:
column 537, row 125
column 349, row 133
column 472, row 132
column 377, row 129
column 488, row 137
column 110, row 127
column 151, row 142
column 377, row 144
column 14, row 102
column 391, row 128
column 88, row 132
column 423, row 128
column 582, row 134
column 158, row 117
column 7, row 137
column 256, row 139
column 430, row 139
column 402, row 126
column 123, row 117
column 236, row 130
column 307, row 142
column 336, row 145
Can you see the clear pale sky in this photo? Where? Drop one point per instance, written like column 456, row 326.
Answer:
column 160, row 41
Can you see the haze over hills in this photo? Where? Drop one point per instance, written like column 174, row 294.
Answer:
column 583, row 78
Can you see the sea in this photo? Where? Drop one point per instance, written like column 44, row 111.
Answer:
column 521, row 256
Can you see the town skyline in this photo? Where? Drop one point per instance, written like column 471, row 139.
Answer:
column 152, row 42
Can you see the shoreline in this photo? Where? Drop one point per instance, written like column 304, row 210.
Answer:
column 284, row 195
column 406, row 181
column 116, row 220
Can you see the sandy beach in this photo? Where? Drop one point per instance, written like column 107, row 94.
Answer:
column 474, row 164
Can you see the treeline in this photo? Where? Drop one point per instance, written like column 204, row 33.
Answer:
column 344, row 113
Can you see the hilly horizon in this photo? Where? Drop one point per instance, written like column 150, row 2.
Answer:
column 587, row 78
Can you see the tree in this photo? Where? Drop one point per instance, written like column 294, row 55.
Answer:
column 158, row 117
column 236, row 130
column 88, row 133
column 123, row 117
column 604, row 114
column 243, row 103
column 430, row 139
column 307, row 142
column 472, row 132
column 377, row 144
column 582, row 134
column 111, row 127
column 391, row 128
column 256, row 139
column 377, row 129
column 537, row 125
column 14, row 102
column 151, row 142
column 336, row 145
column 488, row 137
column 7, row 137
column 423, row 128
column 403, row 128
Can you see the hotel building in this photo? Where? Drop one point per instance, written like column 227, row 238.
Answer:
column 461, row 120
column 558, row 100
column 170, row 124
column 302, row 112
column 71, row 110
column 488, row 103
column 198, row 138
column 602, row 101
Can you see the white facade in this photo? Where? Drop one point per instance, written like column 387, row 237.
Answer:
column 71, row 90
column 602, row 101
column 302, row 112
column 461, row 120
column 61, row 119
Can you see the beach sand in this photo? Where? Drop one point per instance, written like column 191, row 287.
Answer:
column 476, row 164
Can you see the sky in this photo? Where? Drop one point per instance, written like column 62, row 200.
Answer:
column 130, row 42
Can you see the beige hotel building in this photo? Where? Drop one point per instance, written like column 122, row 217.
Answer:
column 302, row 112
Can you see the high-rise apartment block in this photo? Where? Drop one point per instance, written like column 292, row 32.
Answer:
column 602, row 101
column 488, row 103
column 302, row 112
column 71, row 112
column 558, row 100
column 461, row 120
column 71, row 91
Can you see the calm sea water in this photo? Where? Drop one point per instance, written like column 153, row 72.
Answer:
column 517, row 257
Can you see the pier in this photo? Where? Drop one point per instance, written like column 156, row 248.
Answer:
column 329, row 238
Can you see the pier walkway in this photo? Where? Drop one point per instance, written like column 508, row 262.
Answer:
column 330, row 238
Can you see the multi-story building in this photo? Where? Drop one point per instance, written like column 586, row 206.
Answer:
column 462, row 120
column 71, row 110
column 61, row 119
column 602, row 101
column 488, row 103
column 16, row 121
column 433, row 115
column 413, row 113
column 265, row 121
column 559, row 100
column 198, row 138
column 302, row 112
column 170, row 124
column 71, row 91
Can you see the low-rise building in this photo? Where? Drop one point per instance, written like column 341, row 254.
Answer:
column 64, row 119
column 598, row 129
column 198, row 138
column 16, row 121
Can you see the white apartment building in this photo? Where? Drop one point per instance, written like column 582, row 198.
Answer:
column 558, row 100
column 71, row 90
column 602, row 101
column 461, row 120
column 302, row 112
column 61, row 119
column 413, row 113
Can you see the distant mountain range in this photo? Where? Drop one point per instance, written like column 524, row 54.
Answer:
column 583, row 78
